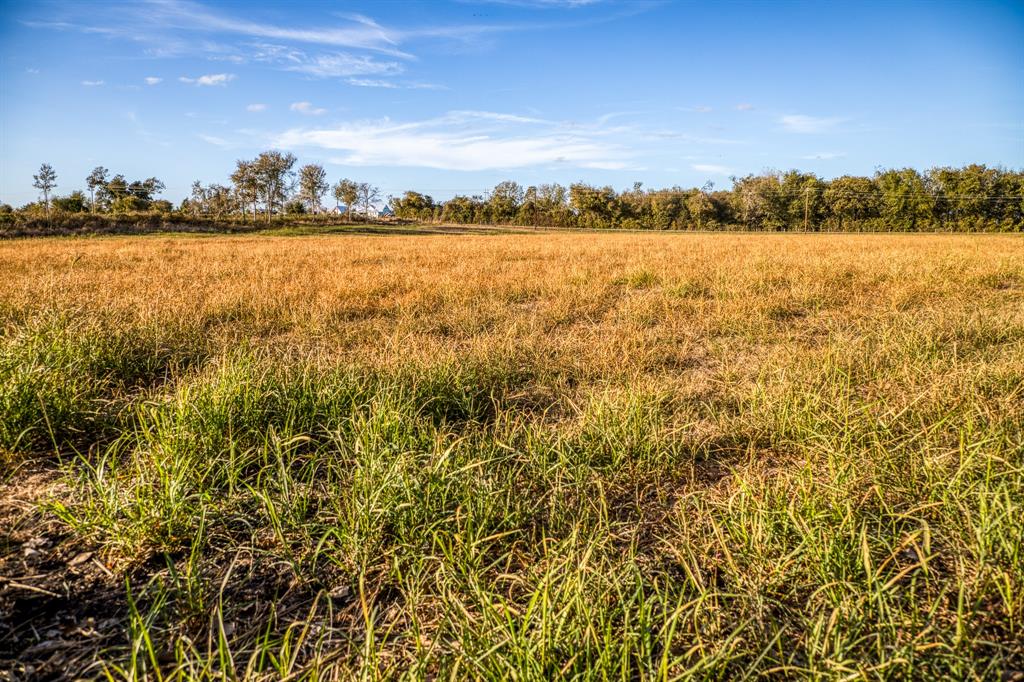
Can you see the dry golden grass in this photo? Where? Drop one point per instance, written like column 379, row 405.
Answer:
column 609, row 305
column 803, row 452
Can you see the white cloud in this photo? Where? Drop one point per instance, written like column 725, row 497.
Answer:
column 32, row 71
column 702, row 109
column 209, row 79
column 152, row 80
column 744, row 107
column 215, row 141
column 92, row 84
column 798, row 123
column 461, row 140
column 256, row 107
column 307, row 108
column 371, row 83
column 712, row 168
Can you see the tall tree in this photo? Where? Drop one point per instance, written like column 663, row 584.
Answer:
column 346, row 192
column 312, row 186
column 198, row 200
column 275, row 175
column 247, row 185
column 45, row 181
column 96, row 180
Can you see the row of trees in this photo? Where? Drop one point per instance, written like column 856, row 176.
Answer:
column 270, row 183
column 106, row 193
column 266, row 184
column 973, row 197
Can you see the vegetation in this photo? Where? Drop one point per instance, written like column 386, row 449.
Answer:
column 974, row 198
column 550, row 456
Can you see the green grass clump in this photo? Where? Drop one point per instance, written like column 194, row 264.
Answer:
column 62, row 382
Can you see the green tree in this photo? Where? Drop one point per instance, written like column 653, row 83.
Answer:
column 413, row 206
column 505, row 199
column 246, row 182
column 94, row 181
column 275, row 178
column 459, row 209
column 907, row 200
column 312, row 186
column 851, row 200
column 72, row 203
column 45, row 181
column 346, row 192
column 700, row 206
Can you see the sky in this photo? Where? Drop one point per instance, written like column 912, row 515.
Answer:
column 452, row 97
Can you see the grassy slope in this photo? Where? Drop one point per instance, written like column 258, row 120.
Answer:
column 579, row 456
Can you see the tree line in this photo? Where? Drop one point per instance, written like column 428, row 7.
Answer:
column 969, row 198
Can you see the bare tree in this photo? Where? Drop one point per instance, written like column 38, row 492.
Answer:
column 368, row 196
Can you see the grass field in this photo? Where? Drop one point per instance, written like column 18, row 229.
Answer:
column 541, row 456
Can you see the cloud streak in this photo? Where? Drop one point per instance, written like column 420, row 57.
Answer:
column 460, row 140
column 220, row 79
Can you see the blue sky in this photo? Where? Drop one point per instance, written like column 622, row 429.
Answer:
column 453, row 97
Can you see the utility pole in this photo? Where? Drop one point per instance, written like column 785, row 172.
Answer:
column 806, row 199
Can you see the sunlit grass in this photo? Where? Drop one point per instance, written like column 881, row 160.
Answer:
column 534, row 457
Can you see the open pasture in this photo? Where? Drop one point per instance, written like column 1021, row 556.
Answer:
column 528, row 456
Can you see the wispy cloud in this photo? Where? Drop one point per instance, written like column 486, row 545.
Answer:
column 152, row 80
column 256, row 107
column 712, row 168
column 212, row 139
column 824, row 156
column 700, row 109
column 92, row 84
column 307, row 108
column 462, row 140
column 744, row 106
column 356, row 31
column 392, row 85
column 328, row 65
column 209, row 79
column 798, row 123
column 372, row 83
column 32, row 71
